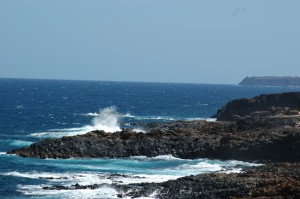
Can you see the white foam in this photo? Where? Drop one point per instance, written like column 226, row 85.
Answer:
column 156, row 118
column 37, row 190
column 3, row 153
column 20, row 143
column 83, row 179
column 86, row 179
column 56, row 133
column 236, row 162
column 160, row 157
column 37, row 175
column 145, row 178
column 168, row 118
column 137, row 169
column 139, row 129
column 202, row 167
column 234, row 170
column 201, row 118
column 90, row 114
column 129, row 115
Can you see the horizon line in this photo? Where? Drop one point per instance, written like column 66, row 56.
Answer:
column 116, row 81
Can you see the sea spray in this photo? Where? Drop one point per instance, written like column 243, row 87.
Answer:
column 107, row 120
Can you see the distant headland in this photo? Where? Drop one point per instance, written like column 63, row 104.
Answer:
column 271, row 81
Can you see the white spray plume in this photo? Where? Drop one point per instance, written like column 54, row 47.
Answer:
column 107, row 120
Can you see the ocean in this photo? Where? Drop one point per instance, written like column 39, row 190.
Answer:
column 32, row 110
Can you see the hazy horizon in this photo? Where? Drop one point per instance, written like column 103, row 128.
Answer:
column 199, row 41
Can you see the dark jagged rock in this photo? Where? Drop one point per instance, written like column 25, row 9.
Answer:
column 269, row 181
column 240, row 140
column 285, row 102
column 274, row 180
column 271, row 81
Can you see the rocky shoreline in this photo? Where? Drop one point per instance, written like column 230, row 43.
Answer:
column 241, row 140
column 280, row 180
column 264, row 129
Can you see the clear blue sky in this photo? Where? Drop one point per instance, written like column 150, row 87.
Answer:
column 201, row 41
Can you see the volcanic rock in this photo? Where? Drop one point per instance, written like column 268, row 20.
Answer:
column 285, row 103
column 240, row 140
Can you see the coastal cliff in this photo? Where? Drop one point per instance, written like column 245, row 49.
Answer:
column 271, row 81
column 269, row 104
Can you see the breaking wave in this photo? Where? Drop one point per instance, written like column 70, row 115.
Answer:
column 107, row 119
column 153, row 117
column 136, row 169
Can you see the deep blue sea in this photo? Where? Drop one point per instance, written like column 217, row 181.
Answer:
column 32, row 110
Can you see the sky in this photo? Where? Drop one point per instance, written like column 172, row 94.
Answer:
column 194, row 41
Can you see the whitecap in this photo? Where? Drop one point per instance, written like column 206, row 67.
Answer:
column 57, row 133
column 155, row 118
column 159, row 157
column 233, row 170
column 37, row 175
column 211, row 119
column 129, row 115
column 202, row 167
column 37, row 190
column 237, row 162
column 20, row 143
column 90, row 114
column 139, row 130
column 201, row 118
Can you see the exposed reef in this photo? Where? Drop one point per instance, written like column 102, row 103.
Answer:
column 271, row 81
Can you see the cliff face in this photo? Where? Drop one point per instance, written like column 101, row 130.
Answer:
column 271, row 81
column 268, row 103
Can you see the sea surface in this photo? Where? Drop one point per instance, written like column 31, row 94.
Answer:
column 32, row 110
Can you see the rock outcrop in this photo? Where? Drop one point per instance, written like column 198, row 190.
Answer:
column 273, row 104
column 240, row 140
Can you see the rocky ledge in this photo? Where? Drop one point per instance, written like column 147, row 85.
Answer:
column 240, row 140
column 272, row 104
column 268, row 181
